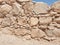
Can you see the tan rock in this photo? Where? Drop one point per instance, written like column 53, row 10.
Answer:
column 33, row 21
column 56, row 32
column 45, row 20
column 1, row 15
column 57, row 20
column 43, row 27
column 52, row 13
column 36, row 33
column 22, row 21
column 41, row 34
column 6, row 30
column 56, row 6
column 28, row 37
column 5, row 9
column 21, row 32
column 28, row 7
column 49, row 33
column 16, row 8
column 1, row 20
column 10, row 1
column 40, row 7
column 6, row 22
column 51, row 27
column 13, row 20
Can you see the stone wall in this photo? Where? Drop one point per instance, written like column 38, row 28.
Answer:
column 30, row 20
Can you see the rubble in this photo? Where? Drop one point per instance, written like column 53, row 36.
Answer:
column 30, row 20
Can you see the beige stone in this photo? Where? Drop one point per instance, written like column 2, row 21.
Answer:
column 28, row 7
column 40, row 7
column 52, row 13
column 33, row 21
column 5, row 9
column 51, row 27
column 21, row 32
column 6, row 30
column 22, row 21
column 13, row 20
column 49, row 33
column 45, row 20
column 57, row 20
column 6, row 22
column 1, row 15
column 9, row 1
column 1, row 20
column 36, row 33
column 43, row 27
column 56, row 6
column 56, row 32
column 16, row 8
column 28, row 37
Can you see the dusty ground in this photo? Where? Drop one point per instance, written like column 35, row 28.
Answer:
column 13, row 40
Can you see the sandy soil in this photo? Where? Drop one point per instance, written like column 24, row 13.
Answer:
column 13, row 40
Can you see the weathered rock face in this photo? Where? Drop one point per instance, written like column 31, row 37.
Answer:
column 56, row 6
column 30, row 20
column 40, row 7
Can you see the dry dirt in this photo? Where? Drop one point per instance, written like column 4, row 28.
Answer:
column 24, row 22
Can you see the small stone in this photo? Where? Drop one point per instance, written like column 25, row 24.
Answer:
column 57, row 20
column 49, row 33
column 56, row 32
column 22, row 21
column 6, row 22
column 36, row 33
column 6, row 30
column 27, row 37
column 45, row 20
column 1, row 20
column 51, row 27
column 43, row 27
column 1, row 15
column 33, row 21
column 16, row 8
column 21, row 32
column 5, row 9
column 9, row 1
column 52, row 13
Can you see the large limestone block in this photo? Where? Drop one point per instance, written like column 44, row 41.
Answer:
column 45, row 20
column 56, row 32
column 56, row 6
column 6, row 22
column 37, row 33
column 21, row 32
column 16, row 8
column 40, row 7
column 5, row 9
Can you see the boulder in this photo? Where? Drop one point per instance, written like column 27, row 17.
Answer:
column 40, row 7
column 56, row 6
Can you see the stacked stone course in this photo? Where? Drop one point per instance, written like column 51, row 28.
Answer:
column 28, row 19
